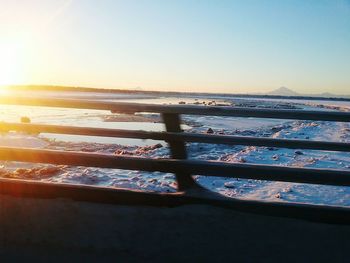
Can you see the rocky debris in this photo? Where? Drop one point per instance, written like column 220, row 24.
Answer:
column 169, row 176
column 83, row 146
column 331, row 107
column 153, row 180
column 103, row 148
column 277, row 129
column 345, row 133
column 287, row 190
column 246, row 132
column 182, row 102
column 131, row 118
column 271, row 148
column 151, row 147
column 311, row 160
column 35, row 173
column 242, row 160
column 266, row 105
column 246, row 105
column 123, row 152
column 229, row 185
column 278, row 195
column 312, row 124
column 285, row 106
column 25, row 119
column 210, row 131
column 139, row 151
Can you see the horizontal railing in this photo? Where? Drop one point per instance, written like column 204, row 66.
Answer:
column 172, row 136
column 195, row 167
column 125, row 107
column 178, row 163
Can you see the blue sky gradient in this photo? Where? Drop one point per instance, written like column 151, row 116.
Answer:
column 210, row 46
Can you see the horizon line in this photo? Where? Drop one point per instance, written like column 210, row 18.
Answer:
column 138, row 89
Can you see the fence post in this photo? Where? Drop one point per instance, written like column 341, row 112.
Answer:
column 178, row 149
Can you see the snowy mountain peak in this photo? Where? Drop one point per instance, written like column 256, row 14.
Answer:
column 283, row 91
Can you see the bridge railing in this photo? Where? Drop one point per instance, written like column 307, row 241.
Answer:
column 178, row 164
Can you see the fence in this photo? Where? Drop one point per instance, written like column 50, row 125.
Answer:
column 188, row 190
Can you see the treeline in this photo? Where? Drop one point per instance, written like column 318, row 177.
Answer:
column 165, row 93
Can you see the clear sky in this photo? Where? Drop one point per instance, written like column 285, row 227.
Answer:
column 211, row 46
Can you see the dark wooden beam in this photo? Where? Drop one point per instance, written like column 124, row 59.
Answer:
column 178, row 149
column 207, row 168
column 88, row 193
column 180, row 109
column 177, row 137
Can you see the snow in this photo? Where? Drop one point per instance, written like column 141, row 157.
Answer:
column 160, row 182
column 21, row 140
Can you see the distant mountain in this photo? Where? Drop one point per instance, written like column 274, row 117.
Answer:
column 283, row 91
column 280, row 92
column 329, row 95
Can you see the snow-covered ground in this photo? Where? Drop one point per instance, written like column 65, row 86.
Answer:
column 238, row 188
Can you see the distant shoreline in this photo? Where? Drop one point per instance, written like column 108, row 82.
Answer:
column 164, row 93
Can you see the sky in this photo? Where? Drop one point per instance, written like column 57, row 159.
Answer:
column 179, row 45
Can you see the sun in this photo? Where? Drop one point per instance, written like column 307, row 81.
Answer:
column 10, row 63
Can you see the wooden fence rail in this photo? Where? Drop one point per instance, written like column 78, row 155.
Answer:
column 183, row 168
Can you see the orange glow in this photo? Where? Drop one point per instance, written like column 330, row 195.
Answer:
column 20, row 57
column 11, row 62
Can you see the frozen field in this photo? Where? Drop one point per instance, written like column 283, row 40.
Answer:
column 237, row 188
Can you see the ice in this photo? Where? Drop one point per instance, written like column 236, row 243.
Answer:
column 21, row 140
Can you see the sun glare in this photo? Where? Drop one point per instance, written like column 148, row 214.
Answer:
column 10, row 63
